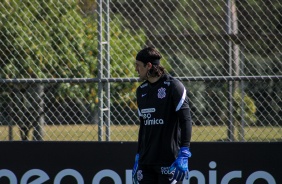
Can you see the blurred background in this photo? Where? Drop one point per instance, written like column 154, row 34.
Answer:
column 67, row 68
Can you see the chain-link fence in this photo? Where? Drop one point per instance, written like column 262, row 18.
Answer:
column 67, row 67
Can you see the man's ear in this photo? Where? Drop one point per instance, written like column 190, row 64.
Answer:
column 149, row 65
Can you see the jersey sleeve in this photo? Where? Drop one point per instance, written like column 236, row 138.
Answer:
column 185, row 123
column 140, row 121
column 183, row 112
column 138, row 98
column 179, row 96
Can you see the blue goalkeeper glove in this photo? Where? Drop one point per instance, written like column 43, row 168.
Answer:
column 134, row 170
column 179, row 168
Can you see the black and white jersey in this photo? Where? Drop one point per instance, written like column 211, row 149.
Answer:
column 158, row 105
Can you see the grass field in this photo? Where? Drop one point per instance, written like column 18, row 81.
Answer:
column 130, row 132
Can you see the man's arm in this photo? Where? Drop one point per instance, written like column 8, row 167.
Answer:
column 185, row 122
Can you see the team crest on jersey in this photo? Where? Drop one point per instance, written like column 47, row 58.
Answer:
column 161, row 93
column 139, row 175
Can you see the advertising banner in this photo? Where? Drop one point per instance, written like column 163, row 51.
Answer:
column 31, row 162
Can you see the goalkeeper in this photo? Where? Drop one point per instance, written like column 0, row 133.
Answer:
column 165, row 124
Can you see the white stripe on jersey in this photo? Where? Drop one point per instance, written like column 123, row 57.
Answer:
column 181, row 100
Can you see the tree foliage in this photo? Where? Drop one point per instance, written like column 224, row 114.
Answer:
column 55, row 39
column 245, row 108
column 51, row 39
column 46, row 39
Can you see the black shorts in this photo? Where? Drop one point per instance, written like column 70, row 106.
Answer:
column 154, row 175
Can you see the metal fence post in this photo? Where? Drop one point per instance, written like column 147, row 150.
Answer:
column 103, row 85
column 100, row 69
column 230, row 130
column 108, row 73
column 242, row 127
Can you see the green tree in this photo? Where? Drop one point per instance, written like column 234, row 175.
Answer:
column 245, row 108
column 207, row 98
column 125, row 44
column 46, row 39
column 51, row 39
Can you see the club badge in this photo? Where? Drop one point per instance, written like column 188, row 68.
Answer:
column 139, row 175
column 161, row 93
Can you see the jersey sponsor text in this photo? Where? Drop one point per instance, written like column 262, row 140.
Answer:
column 153, row 121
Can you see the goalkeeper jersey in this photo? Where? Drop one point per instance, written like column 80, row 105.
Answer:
column 165, row 121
